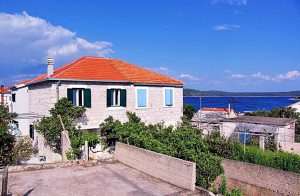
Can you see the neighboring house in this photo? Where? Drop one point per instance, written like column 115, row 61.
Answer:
column 282, row 129
column 296, row 106
column 106, row 87
column 5, row 97
column 208, row 119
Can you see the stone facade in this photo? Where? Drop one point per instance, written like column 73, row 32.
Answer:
column 43, row 96
column 254, row 179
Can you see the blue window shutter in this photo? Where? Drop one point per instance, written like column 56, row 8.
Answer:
column 142, row 98
column 169, row 97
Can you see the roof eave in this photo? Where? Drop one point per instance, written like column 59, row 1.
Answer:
column 108, row 81
column 157, row 84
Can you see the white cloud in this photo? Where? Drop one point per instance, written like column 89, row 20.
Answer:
column 188, row 77
column 20, row 77
column 163, row 69
column 28, row 40
column 224, row 27
column 262, row 77
column 227, row 71
column 290, row 75
column 231, row 2
column 238, row 76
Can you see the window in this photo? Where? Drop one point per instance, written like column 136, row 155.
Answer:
column 13, row 97
column 31, row 131
column 80, row 97
column 116, row 97
column 168, row 95
column 141, row 97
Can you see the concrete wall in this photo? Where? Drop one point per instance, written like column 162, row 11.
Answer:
column 43, row 97
column 169, row 169
column 254, row 179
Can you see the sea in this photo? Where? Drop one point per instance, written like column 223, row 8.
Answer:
column 240, row 104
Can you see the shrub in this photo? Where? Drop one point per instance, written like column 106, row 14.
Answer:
column 222, row 147
column 183, row 142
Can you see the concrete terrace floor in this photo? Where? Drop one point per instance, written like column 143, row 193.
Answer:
column 105, row 179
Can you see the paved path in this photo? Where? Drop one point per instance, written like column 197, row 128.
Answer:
column 105, row 179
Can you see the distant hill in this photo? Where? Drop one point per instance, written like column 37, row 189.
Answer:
column 193, row 92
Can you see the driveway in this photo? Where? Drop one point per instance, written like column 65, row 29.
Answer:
column 105, row 179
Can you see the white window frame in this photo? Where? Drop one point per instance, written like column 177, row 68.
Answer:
column 136, row 97
column 164, row 95
column 77, row 97
column 113, row 104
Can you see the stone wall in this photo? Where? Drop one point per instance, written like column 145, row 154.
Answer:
column 169, row 169
column 254, row 179
column 43, row 96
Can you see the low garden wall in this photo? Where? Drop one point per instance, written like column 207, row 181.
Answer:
column 169, row 169
column 254, row 179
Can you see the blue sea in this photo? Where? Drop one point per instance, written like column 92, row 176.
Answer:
column 242, row 104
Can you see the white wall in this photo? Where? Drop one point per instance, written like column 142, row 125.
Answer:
column 284, row 135
column 21, row 107
column 296, row 106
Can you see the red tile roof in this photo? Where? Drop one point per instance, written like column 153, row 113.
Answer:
column 104, row 69
column 5, row 90
column 215, row 109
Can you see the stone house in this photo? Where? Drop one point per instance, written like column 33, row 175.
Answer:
column 106, row 87
column 208, row 119
column 282, row 129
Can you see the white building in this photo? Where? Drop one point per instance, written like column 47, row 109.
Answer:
column 105, row 87
column 296, row 106
column 208, row 119
column 283, row 129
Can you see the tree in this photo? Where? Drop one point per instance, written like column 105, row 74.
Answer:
column 7, row 140
column 50, row 127
column 188, row 111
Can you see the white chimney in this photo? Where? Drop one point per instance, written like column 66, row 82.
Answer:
column 50, row 66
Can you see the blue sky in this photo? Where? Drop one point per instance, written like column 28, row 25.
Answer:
column 230, row 45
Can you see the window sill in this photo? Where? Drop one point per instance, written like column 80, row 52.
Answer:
column 116, row 108
column 168, row 106
column 141, row 108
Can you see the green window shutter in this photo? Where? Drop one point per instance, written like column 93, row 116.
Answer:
column 87, row 98
column 70, row 94
column 108, row 97
column 123, row 98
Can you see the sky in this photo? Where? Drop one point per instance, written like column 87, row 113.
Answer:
column 228, row 45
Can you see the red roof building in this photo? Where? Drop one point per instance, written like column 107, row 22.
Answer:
column 107, row 70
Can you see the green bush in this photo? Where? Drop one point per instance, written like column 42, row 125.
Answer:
column 183, row 142
column 220, row 146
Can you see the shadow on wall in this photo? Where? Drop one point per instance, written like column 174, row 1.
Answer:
column 82, row 120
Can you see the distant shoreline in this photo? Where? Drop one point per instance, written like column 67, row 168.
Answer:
column 241, row 96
